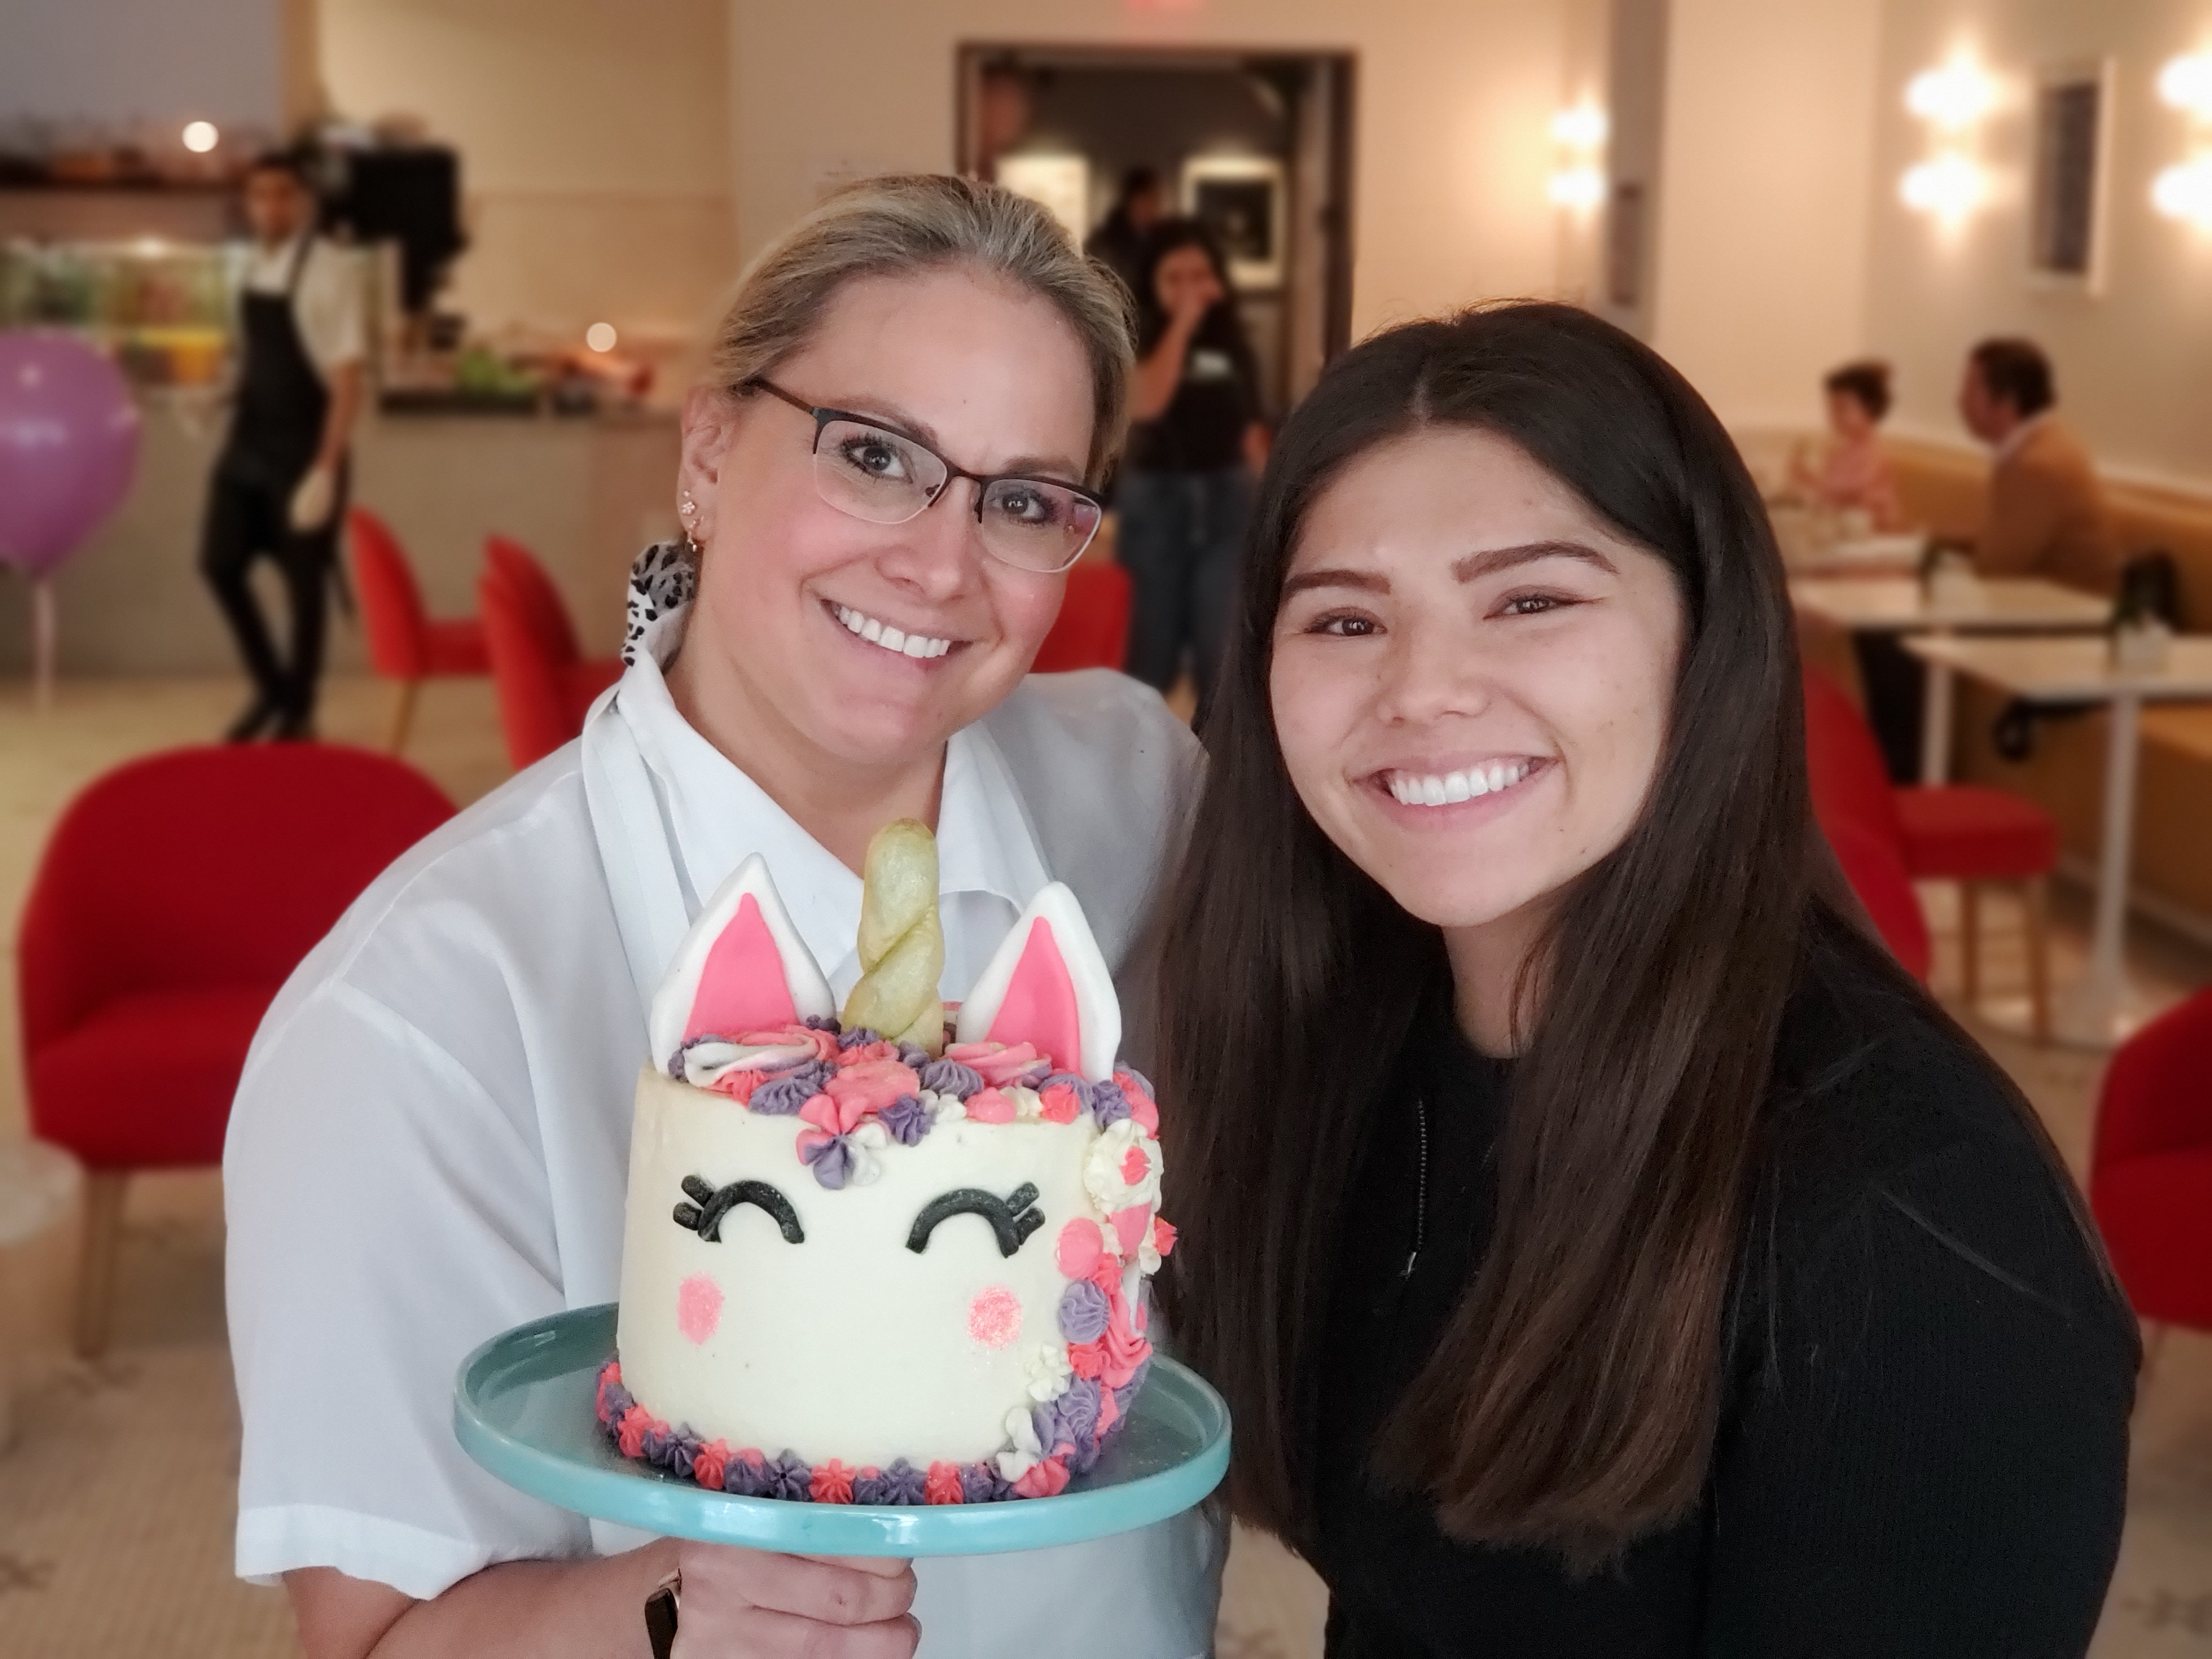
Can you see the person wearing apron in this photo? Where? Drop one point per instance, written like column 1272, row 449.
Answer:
column 279, row 484
column 430, row 1140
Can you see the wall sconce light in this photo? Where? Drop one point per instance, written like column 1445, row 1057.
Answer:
column 2183, row 191
column 200, row 136
column 1950, row 183
column 1577, row 181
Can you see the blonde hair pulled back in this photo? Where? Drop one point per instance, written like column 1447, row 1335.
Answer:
column 905, row 224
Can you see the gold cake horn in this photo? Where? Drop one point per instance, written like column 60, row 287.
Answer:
column 901, row 942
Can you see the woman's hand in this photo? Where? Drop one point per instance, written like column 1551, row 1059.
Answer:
column 738, row 1602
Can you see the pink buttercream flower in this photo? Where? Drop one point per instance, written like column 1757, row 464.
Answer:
column 942, row 1485
column 609, row 1375
column 883, row 1049
column 833, row 1483
column 739, row 1085
column 1087, row 1359
column 1125, row 1351
column 1106, row 1274
column 794, row 1037
column 636, row 1424
column 994, row 1062
column 1109, row 1413
column 1048, row 1479
column 714, row 1459
column 869, row 1087
column 1079, row 1248
column 1164, row 1235
column 833, row 1117
column 990, row 1106
column 1141, row 1106
column 1060, row 1105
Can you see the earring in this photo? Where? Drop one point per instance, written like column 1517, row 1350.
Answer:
column 689, row 512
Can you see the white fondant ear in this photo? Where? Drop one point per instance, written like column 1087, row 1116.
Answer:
column 1047, row 976
column 743, row 967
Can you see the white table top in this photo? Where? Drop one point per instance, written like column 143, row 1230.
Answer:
column 1998, row 604
column 2073, row 668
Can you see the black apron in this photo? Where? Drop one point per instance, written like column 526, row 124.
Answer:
column 278, row 425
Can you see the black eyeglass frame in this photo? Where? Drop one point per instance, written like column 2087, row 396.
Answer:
column 823, row 417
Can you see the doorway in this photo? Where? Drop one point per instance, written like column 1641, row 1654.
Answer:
column 1258, row 144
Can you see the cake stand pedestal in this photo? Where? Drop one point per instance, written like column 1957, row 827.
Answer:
column 523, row 1408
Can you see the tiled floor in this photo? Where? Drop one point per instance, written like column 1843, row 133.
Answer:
column 123, row 1476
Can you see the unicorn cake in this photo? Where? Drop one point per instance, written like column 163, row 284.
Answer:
column 871, row 1256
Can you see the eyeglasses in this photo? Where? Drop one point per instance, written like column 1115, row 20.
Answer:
column 886, row 477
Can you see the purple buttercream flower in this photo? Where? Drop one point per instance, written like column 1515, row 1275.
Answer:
column 1141, row 1081
column 913, row 1058
column 833, row 1160
column 787, row 1477
column 1045, row 1420
column 1107, row 1103
column 949, row 1077
column 869, row 1486
column 1084, row 1457
column 618, row 1401
column 906, row 1119
column 1085, row 1310
column 655, row 1445
column 980, row 1483
column 745, row 1478
column 684, row 1449
column 819, row 1023
column 859, row 1037
column 782, row 1096
column 1079, row 1412
column 904, row 1484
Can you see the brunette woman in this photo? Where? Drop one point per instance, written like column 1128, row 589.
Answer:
column 1604, row 1248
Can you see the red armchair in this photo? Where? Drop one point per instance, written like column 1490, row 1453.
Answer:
column 2150, row 1166
column 1958, row 832
column 404, row 645
column 173, row 897
column 1093, row 629
column 545, row 684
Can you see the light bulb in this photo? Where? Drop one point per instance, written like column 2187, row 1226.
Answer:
column 2187, row 83
column 2185, row 191
column 1950, row 98
column 200, row 136
column 600, row 336
column 1584, row 127
column 1949, row 186
column 1582, row 188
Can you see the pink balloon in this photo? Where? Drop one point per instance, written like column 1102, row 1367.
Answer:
column 69, row 443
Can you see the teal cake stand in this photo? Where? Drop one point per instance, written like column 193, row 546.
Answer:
column 522, row 1407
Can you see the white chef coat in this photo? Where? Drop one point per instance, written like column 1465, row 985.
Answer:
column 330, row 304
column 431, row 1137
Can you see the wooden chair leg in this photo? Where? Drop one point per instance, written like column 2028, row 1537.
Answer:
column 2038, row 895
column 402, row 714
column 1970, row 942
column 95, row 1288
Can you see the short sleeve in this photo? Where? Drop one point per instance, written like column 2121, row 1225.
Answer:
column 332, row 308
column 387, row 1212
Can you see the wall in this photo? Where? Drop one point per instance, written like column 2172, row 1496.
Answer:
column 1765, row 169
column 159, row 62
column 2130, row 363
column 594, row 147
column 1453, row 99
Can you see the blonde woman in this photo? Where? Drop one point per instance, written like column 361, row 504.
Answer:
column 914, row 395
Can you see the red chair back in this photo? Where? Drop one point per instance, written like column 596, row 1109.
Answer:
column 2150, row 1165
column 207, row 868
column 391, row 613
column 534, row 715
column 537, row 602
column 1092, row 630
column 1850, row 781
column 1878, row 876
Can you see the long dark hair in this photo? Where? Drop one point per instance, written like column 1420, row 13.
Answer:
column 1572, row 1401
column 1171, row 236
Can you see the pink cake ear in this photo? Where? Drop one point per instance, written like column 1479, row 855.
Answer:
column 742, row 968
column 1049, row 985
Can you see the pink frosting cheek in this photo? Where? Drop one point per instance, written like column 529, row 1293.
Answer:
column 698, row 1307
column 995, row 1318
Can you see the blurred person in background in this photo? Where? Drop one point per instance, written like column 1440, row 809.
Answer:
column 2046, row 514
column 1185, row 491
column 1853, row 475
column 279, row 484
column 1119, row 242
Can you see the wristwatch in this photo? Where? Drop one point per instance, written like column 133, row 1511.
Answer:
column 661, row 1611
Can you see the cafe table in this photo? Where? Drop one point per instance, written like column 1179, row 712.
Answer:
column 1969, row 605
column 2102, row 1007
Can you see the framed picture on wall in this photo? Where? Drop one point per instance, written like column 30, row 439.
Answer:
column 1057, row 181
column 2072, row 162
column 1241, row 199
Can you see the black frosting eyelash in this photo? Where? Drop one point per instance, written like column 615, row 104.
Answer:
column 704, row 1215
column 1013, row 1217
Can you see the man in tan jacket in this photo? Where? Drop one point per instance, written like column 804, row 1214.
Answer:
column 2046, row 514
